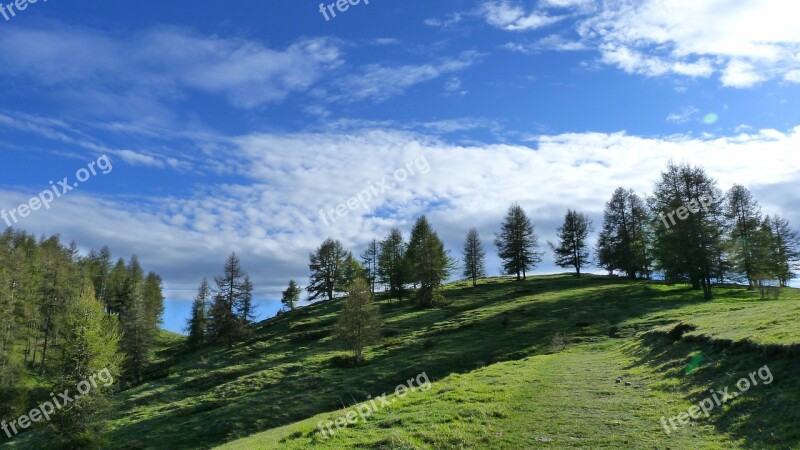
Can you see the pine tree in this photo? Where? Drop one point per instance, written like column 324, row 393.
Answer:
column 572, row 249
column 428, row 263
column 359, row 321
column 517, row 243
column 328, row 272
column 244, row 304
column 744, row 220
column 369, row 258
column 88, row 346
column 625, row 240
column 198, row 323
column 474, row 257
column 786, row 248
column 291, row 296
column 392, row 267
column 690, row 247
column 232, row 301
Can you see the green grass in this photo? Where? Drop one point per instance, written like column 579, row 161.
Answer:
column 498, row 381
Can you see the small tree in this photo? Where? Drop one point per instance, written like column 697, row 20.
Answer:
column 370, row 260
column 198, row 323
column 359, row 321
column 517, row 243
column 291, row 296
column 392, row 264
column 474, row 257
column 572, row 250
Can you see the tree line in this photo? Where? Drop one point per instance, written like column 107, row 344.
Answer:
column 686, row 231
column 63, row 318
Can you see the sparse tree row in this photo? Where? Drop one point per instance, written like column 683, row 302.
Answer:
column 63, row 317
column 226, row 312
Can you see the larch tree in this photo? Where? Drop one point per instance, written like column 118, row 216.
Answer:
column 744, row 221
column 517, row 243
column 359, row 322
column 474, row 257
column 624, row 243
column 228, row 314
column 392, row 268
column 690, row 247
column 327, row 267
column 197, row 325
column 369, row 258
column 572, row 249
column 428, row 263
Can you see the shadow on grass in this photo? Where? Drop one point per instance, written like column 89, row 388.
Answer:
column 765, row 416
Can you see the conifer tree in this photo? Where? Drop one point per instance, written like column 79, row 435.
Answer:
column 369, row 258
column 474, row 257
column 572, row 249
column 517, row 243
column 392, row 267
column 359, row 321
column 198, row 323
column 328, row 271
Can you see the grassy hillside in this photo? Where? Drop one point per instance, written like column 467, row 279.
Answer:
column 637, row 351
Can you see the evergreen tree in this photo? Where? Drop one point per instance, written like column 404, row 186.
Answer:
column 359, row 321
column 744, row 220
column 198, row 323
column 624, row 243
column 392, row 268
column 572, row 249
column 428, row 263
column 690, row 248
column 517, row 243
column 369, row 258
column 232, row 301
column 291, row 296
column 786, row 249
column 244, row 305
column 474, row 257
column 88, row 346
column 328, row 271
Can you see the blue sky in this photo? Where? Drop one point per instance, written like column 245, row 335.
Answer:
column 230, row 126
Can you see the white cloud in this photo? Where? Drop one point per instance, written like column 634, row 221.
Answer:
column 271, row 215
column 685, row 115
column 750, row 41
column 161, row 63
column 380, row 82
column 740, row 74
column 511, row 17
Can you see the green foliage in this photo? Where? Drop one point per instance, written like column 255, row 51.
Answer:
column 572, row 249
column 359, row 322
column 88, row 346
column 624, row 242
column 393, row 264
column 330, row 266
column 198, row 324
column 231, row 311
column 474, row 257
column 291, row 296
column 517, row 243
column 427, row 261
